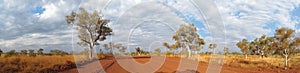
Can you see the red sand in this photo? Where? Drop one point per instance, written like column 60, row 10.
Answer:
column 170, row 65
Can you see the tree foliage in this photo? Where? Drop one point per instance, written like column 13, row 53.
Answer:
column 92, row 27
column 23, row 52
column 243, row 45
column 11, row 53
column 287, row 43
column 284, row 42
column 187, row 38
column 58, row 52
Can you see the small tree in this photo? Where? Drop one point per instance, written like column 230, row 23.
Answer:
column 226, row 50
column 58, row 52
column 31, row 53
column 212, row 47
column 23, row 52
column 1, row 52
column 157, row 51
column 138, row 50
column 40, row 51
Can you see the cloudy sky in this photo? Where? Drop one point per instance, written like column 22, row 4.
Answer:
column 31, row 24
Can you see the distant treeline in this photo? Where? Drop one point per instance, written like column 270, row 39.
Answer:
column 32, row 53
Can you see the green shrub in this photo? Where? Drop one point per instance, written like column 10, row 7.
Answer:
column 31, row 53
column 11, row 53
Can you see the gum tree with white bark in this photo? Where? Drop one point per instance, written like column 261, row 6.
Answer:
column 287, row 43
column 92, row 28
column 188, row 39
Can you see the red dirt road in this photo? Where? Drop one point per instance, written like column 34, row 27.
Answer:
column 170, row 65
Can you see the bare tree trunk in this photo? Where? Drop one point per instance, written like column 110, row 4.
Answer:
column 286, row 61
column 189, row 50
column 190, row 53
column 262, row 54
column 91, row 52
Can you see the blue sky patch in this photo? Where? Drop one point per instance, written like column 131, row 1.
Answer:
column 39, row 10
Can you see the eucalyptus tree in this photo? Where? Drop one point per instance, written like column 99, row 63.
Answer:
column 212, row 47
column 243, row 45
column 287, row 43
column 262, row 45
column 187, row 38
column 270, row 46
column 92, row 28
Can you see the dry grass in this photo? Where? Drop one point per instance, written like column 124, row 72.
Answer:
column 41, row 64
column 255, row 62
column 26, row 64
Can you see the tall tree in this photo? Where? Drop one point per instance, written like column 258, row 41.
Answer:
column 287, row 43
column 243, row 45
column 262, row 45
column 188, row 38
column 92, row 28
column 270, row 46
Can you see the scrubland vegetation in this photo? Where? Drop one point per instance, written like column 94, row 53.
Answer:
column 28, row 64
column 255, row 62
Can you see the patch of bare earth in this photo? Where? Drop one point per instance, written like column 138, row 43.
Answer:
column 170, row 65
